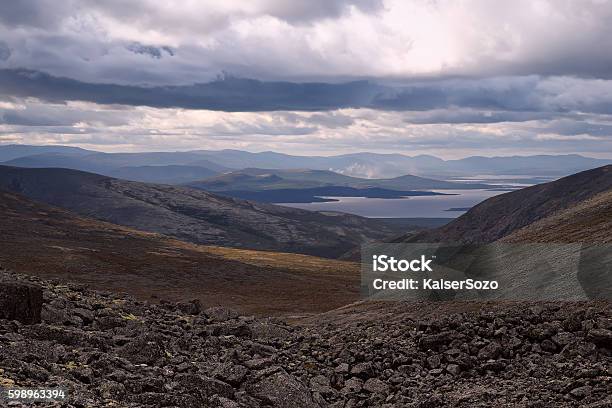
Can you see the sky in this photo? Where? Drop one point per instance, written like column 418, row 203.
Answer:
column 448, row 78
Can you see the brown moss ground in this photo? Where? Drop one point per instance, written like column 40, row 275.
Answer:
column 45, row 241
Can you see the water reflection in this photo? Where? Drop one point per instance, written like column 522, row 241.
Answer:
column 408, row 207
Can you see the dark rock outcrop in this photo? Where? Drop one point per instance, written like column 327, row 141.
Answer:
column 20, row 301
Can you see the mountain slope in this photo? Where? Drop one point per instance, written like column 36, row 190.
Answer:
column 247, row 181
column 59, row 160
column 501, row 215
column 587, row 221
column 107, row 163
column 11, row 152
column 50, row 242
column 169, row 174
column 194, row 215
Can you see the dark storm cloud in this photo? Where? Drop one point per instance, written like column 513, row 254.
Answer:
column 34, row 13
column 572, row 128
column 228, row 94
column 511, row 94
column 481, row 101
column 150, row 50
column 5, row 51
column 16, row 118
column 306, row 39
column 461, row 116
column 312, row 10
column 40, row 114
column 48, row 13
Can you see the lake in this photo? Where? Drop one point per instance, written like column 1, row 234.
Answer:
column 408, row 207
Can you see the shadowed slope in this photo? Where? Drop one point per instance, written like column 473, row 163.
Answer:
column 49, row 242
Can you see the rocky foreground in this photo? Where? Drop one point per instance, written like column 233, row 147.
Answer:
column 110, row 350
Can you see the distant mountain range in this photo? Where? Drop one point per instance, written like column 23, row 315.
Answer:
column 12, row 152
column 368, row 165
column 193, row 215
column 375, row 165
column 169, row 174
column 173, row 167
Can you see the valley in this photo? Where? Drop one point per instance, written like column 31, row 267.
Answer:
column 77, row 244
column 295, row 328
column 385, row 167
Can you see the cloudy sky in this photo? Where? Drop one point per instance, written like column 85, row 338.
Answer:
column 450, row 78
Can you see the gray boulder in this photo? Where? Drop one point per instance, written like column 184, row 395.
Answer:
column 282, row 390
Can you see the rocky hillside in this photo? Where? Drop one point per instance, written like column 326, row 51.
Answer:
column 193, row 215
column 110, row 350
column 587, row 221
column 49, row 242
column 504, row 214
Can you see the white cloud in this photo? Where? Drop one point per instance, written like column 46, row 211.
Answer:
column 270, row 39
column 120, row 128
